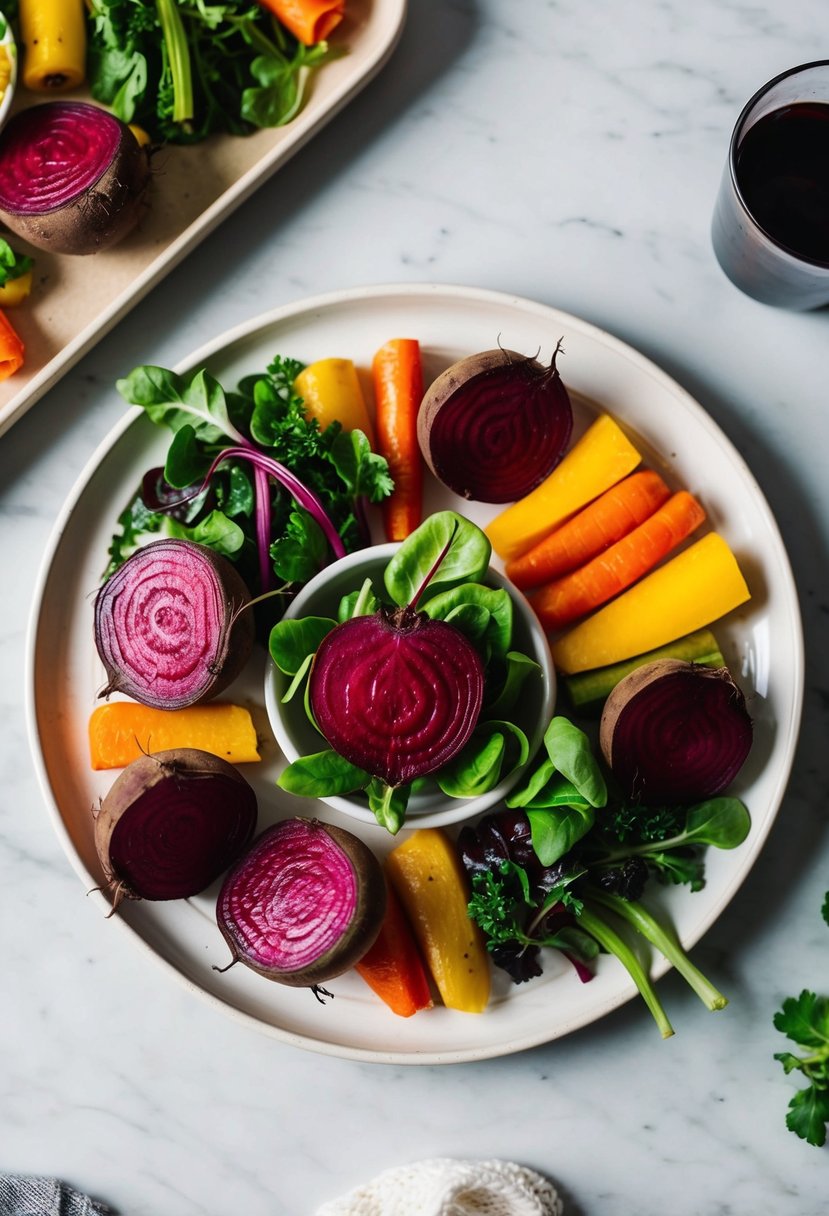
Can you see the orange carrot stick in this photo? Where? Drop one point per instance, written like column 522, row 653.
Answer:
column 575, row 594
column 12, row 351
column 597, row 526
column 398, row 391
column 310, row 21
column 393, row 968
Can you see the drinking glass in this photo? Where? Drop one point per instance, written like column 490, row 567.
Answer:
column 771, row 220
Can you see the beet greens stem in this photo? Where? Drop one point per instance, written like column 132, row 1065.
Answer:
column 635, row 914
column 610, row 940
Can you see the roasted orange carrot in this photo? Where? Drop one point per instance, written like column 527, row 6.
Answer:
column 310, row 21
column 12, row 351
column 398, row 391
column 597, row 526
column 575, row 594
column 393, row 968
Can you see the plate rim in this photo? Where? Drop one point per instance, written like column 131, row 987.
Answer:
column 332, row 300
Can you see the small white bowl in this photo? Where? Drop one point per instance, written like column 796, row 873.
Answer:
column 9, row 48
column 297, row 737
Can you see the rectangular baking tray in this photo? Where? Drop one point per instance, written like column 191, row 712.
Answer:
column 76, row 300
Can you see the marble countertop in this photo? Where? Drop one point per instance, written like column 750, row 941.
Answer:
column 569, row 153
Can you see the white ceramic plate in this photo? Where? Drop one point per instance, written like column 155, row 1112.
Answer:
column 678, row 437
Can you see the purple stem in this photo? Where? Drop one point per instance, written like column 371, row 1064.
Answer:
column 265, row 466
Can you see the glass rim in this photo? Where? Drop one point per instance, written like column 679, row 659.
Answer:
column 732, row 158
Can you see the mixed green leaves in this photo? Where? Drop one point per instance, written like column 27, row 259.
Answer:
column 805, row 1020
column 264, row 416
column 184, row 71
column 547, row 870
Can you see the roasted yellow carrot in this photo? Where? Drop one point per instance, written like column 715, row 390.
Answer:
column 332, row 392
column 427, row 874
column 53, row 33
column 696, row 587
column 121, row 731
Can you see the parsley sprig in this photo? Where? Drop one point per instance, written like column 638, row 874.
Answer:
column 805, row 1020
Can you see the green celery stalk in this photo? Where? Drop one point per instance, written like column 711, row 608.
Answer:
column 590, row 689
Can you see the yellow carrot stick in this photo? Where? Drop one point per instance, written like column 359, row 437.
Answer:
column 121, row 731
column 696, row 587
column 53, row 33
column 331, row 391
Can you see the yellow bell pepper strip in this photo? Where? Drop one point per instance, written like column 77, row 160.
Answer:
column 310, row 21
column 12, row 351
column 331, row 391
column 603, row 456
column 53, row 34
column 428, row 876
column 121, row 731
column 689, row 592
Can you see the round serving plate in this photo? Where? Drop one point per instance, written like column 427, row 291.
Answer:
column 675, row 435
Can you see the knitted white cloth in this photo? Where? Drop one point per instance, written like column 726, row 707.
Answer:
column 446, row 1187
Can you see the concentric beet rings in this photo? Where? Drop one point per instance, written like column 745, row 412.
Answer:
column 170, row 626
column 675, row 732
column 72, row 177
column 304, row 904
column 494, row 425
column 396, row 693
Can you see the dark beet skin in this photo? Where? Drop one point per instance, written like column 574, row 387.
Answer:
column 171, row 625
column 396, row 693
column 73, row 177
column 304, row 904
column 494, row 425
column 171, row 824
column 674, row 732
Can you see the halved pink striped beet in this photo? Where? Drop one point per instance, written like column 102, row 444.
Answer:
column 396, row 693
column 73, row 177
column 304, row 904
column 170, row 625
column 171, row 824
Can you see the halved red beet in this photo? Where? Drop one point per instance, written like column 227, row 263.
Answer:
column 494, row 425
column 170, row 625
column 304, row 904
column 73, row 177
column 396, row 693
column 171, row 824
column 674, row 732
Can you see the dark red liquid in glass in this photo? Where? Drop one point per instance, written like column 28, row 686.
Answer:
column 783, row 172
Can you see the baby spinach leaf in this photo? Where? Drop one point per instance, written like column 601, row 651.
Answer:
column 466, row 557
column 518, row 668
column 388, row 803
column 722, row 822
column 363, row 472
column 296, row 682
column 216, row 530
column 570, row 751
column 555, row 830
column 536, row 781
column 497, row 625
column 476, row 770
column 291, row 642
column 324, row 774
